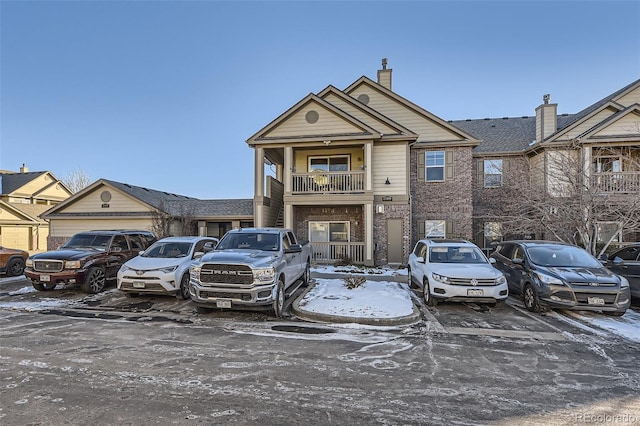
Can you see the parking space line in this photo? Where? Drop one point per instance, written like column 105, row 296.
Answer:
column 536, row 335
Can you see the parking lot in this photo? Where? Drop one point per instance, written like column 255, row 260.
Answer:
column 69, row 357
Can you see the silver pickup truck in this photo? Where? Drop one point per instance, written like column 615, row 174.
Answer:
column 250, row 267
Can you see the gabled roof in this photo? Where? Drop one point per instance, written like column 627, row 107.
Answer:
column 10, row 181
column 26, row 212
column 599, row 130
column 411, row 106
column 212, row 208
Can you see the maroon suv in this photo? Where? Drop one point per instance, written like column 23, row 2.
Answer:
column 88, row 259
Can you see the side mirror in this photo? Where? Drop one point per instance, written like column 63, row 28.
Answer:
column 617, row 261
column 492, row 261
column 603, row 258
column 518, row 261
column 198, row 255
column 420, row 259
column 294, row 248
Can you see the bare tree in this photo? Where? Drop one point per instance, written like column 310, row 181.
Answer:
column 181, row 222
column 161, row 222
column 76, row 180
column 571, row 198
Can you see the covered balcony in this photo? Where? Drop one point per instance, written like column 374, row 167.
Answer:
column 323, row 182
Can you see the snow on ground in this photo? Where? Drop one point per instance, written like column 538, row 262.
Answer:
column 627, row 325
column 373, row 299
column 359, row 270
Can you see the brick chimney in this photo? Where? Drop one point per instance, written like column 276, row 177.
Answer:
column 546, row 119
column 24, row 168
column 384, row 75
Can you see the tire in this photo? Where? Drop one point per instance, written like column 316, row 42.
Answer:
column 183, row 291
column 43, row 286
column 95, row 281
column 278, row 303
column 429, row 300
column 15, row 267
column 530, row 298
column 306, row 276
column 409, row 279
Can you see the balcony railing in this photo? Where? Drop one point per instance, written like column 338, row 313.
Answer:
column 328, row 183
column 621, row 182
column 335, row 252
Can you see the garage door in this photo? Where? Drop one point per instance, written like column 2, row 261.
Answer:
column 16, row 237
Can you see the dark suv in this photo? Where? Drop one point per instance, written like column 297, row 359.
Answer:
column 626, row 262
column 560, row 275
column 88, row 258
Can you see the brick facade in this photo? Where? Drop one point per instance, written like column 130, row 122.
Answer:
column 380, row 237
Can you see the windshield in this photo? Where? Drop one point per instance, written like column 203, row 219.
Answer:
column 98, row 242
column 249, row 241
column 456, row 254
column 559, row 255
column 168, row 249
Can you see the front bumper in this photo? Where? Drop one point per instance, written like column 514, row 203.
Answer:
column 67, row 276
column 153, row 282
column 605, row 300
column 229, row 296
column 463, row 293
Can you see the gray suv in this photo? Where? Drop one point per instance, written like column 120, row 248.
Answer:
column 560, row 275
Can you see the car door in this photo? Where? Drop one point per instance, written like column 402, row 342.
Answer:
column 629, row 268
column 119, row 253
column 416, row 266
column 519, row 269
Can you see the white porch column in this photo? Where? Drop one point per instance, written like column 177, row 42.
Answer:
column 288, row 165
column 587, row 154
column 258, row 189
column 368, row 161
column 368, row 234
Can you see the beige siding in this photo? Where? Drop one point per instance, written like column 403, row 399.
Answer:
column 358, row 114
column 67, row 228
column 91, row 203
column 328, row 124
column 537, row 171
column 630, row 98
column 627, row 125
column 9, row 216
column 558, row 183
column 54, row 192
column 301, row 157
column 587, row 124
column 426, row 129
column 390, row 161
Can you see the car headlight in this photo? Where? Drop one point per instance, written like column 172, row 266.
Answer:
column 72, row 264
column 548, row 279
column 29, row 263
column 440, row 278
column 264, row 275
column 194, row 271
column 624, row 283
column 168, row 269
column 501, row 280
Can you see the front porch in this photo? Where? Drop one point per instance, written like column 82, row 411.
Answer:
column 616, row 182
column 337, row 252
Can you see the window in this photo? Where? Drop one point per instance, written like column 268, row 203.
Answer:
column 435, row 228
column 329, row 231
column 492, row 234
column 434, row 163
column 608, row 231
column 492, row 173
column 338, row 163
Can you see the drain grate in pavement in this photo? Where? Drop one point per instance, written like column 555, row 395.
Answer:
column 302, row 330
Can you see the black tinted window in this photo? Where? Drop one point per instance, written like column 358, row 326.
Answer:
column 629, row 253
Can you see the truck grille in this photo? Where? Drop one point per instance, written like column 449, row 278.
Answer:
column 226, row 274
column 47, row 265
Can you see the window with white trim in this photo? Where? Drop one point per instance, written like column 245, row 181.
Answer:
column 492, row 173
column 334, row 163
column 434, row 166
column 329, row 232
column 435, row 228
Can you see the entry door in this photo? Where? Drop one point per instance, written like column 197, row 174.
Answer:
column 394, row 241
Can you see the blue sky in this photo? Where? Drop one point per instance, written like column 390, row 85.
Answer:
column 164, row 94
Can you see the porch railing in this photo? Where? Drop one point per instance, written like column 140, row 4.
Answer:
column 334, row 252
column 328, row 182
column 621, row 182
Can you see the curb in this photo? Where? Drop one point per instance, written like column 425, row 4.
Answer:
column 302, row 314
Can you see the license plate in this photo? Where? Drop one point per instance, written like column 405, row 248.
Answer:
column 595, row 300
column 475, row 292
column 45, row 278
column 223, row 303
column 138, row 284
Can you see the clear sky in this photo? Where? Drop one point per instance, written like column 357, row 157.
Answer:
column 164, row 94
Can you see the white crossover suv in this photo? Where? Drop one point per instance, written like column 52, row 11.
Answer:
column 163, row 268
column 455, row 270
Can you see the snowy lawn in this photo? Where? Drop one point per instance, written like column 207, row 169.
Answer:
column 627, row 325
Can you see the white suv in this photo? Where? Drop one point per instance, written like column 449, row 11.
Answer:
column 455, row 270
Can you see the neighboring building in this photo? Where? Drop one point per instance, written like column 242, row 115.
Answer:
column 363, row 173
column 106, row 204
column 24, row 196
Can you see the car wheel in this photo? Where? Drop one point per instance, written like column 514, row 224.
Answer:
column 530, row 298
column 15, row 267
column 615, row 313
column 409, row 279
column 278, row 302
column 183, row 291
column 306, row 277
column 426, row 294
column 43, row 286
column 95, row 281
